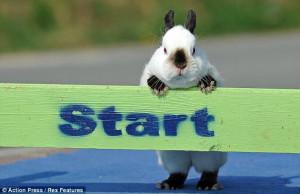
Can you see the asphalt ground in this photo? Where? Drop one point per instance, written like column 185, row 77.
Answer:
column 133, row 171
column 257, row 60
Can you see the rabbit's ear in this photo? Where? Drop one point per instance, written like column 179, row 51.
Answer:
column 169, row 20
column 190, row 23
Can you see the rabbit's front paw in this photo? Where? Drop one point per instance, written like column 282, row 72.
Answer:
column 207, row 84
column 157, row 86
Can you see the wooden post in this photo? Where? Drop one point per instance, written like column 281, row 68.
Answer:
column 131, row 117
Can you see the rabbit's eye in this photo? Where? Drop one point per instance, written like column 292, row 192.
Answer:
column 193, row 50
column 165, row 50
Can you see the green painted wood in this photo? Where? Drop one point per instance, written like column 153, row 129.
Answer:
column 246, row 120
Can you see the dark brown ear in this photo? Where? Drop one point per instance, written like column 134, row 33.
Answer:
column 169, row 20
column 190, row 23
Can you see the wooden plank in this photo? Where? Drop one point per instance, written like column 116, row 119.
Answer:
column 131, row 117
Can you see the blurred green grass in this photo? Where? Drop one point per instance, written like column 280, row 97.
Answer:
column 59, row 24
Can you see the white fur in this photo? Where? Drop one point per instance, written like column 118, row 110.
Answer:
column 181, row 161
column 198, row 66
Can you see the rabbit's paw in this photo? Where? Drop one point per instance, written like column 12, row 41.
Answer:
column 207, row 84
column 207, row 185
column 208, row 181
column 174, row 182
column 157, row 86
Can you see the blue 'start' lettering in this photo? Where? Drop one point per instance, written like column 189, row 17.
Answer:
column 142, row 124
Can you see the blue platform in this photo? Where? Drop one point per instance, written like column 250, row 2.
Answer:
column 119, row 171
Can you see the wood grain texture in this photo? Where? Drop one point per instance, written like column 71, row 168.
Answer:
column 245, row 120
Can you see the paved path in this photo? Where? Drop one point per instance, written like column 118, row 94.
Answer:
column 264, row 61
column 259, row 60
column 119, row 171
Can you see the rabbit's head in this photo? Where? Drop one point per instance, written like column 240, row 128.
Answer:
column 179, row 59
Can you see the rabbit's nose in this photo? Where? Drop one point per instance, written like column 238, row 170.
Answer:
column 180, row 59
column 180, row 66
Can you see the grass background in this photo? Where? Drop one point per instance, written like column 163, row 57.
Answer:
column 61, row 24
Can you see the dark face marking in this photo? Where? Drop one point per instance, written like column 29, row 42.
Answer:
column 179, row 59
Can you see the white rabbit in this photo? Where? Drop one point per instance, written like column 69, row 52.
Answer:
column 180, row 63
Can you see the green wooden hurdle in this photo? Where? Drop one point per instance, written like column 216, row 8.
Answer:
column 131, row 117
